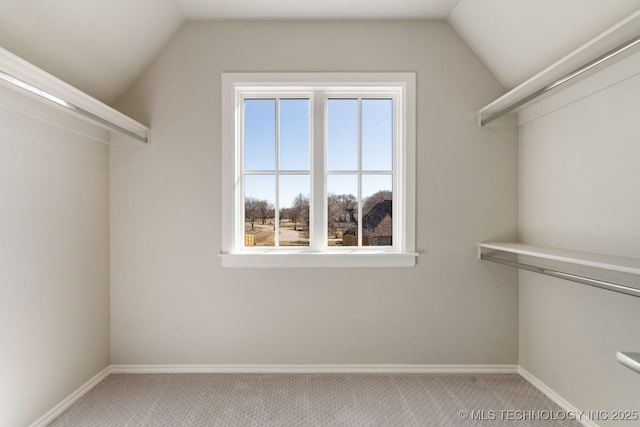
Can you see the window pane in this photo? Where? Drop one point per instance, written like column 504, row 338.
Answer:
column 342, row 150
column 342, row 215
column 377, row 225
column 294, row 134
column 259, row 134
column 377, row 134
column 294, row 210
column 259, row 214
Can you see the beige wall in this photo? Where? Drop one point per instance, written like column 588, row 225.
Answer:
column 54, row 257
column 172, row 302
column 580, row 189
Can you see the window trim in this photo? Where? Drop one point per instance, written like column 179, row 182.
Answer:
column 233, row 252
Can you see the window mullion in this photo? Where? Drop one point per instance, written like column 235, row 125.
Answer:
column 318, row 214
column 399, row 214
column 360, row 204
column 239, row 230
column 276, row 208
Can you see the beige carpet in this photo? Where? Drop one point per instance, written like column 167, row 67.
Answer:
column 311, row 400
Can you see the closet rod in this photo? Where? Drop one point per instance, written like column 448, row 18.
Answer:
column 567, row 276
column 69, row 106
column 564, row 79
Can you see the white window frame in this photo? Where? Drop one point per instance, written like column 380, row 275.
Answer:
column 318, row 87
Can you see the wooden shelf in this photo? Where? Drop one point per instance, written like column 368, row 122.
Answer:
column 620, row 33
column 607, row 262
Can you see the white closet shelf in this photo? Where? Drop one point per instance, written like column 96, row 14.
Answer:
column 546, row 81
column 20, row 75
column 588, row 259
column 630, row 360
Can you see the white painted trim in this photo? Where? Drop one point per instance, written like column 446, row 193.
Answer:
column 20, row 69
column 315, row 369
column 318, row 260
column 71, row 399
column 310, row 369
column 555, row 397
column 616, row 35
column 402, row 85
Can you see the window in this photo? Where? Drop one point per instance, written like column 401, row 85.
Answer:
column 318, row 170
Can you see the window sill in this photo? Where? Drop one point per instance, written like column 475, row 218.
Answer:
column 318, row 260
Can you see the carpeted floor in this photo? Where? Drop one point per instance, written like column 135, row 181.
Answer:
column 312, row 400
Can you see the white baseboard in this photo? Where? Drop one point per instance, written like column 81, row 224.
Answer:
column 71, row 399
column 551, row 394
column 382, row 369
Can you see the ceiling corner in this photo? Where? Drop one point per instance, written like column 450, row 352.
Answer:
column 516, row 40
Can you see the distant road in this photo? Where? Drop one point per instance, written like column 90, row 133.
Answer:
column 288, row 235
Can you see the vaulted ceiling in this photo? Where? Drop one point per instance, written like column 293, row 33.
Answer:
column 103, row 46
column 316, row 9
column 98, row 46
column 518, row 38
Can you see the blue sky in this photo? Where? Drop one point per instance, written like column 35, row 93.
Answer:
column 342, row 149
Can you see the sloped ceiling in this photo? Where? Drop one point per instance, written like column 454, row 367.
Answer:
column 100, row 47
column 319, row 9
column 103, row 46
column 518, row 38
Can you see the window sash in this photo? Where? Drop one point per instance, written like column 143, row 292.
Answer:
column 318, row 174
column 276, row 172
column 395, row 170
column 233, row 253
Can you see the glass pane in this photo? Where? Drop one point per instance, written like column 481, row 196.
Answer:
column 259, row 214
column 342, row 215
column 377, row 197
column 294, row 210
column 259, row 134
column 294, row 134
column 377, row 134
column 342, row 150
